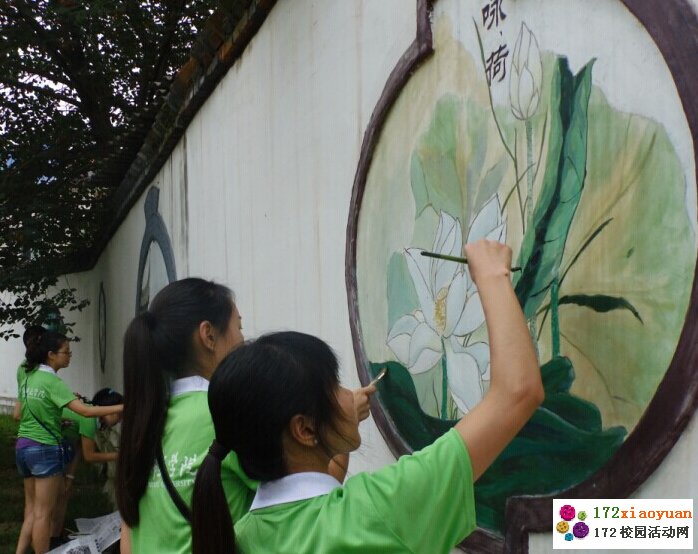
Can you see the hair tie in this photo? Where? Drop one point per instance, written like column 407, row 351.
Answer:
column 218, row 451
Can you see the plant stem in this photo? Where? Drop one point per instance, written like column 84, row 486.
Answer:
column 554, row 317
column 444, row 383
column 529, row 174
column 529, row 211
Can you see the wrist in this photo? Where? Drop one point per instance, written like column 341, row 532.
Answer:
column 496, row 278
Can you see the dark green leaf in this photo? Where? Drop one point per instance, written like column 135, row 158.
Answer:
column 544, row 242
column 601, row 303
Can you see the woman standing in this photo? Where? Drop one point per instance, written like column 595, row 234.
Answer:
column 39, row 452
column 170, row 353
column 278, row 403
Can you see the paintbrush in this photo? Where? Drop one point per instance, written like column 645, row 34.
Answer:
column 453, row 258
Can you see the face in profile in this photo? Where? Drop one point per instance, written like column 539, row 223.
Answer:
column 344, row 437
column 60, row 358
column 231, row 338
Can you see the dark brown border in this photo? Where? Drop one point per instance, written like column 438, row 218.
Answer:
column 673, row 25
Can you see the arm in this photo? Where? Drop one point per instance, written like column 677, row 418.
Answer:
column 516, row 389
column 94, row 411
column 17, row 411
column 92, row 455
column 125, row 544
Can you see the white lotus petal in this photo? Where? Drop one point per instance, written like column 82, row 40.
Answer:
column 487, row 219
column 481, row 352
column 534, row 61
column 406, row 324
column 525, row 92
column 498, row 233
column 425, row 361
column 418, row 266
column 472, row 318
column 463, row 378
column 400, row 337
column 449, row 241
column 425, row 349
column 455, row 301
column 447, row 224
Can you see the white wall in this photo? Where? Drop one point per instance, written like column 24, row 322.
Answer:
column 257, row 196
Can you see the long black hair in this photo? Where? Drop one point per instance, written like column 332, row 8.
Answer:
column 253, row 395
column 39, row 346
column 158, row 349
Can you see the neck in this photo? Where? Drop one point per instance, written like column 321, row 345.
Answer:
column 300, row 459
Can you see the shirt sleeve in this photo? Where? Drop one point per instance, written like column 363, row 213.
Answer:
column 426, row 499
column 60, row 394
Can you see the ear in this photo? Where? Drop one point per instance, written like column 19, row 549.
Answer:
column 207, row 335
column 302, row 430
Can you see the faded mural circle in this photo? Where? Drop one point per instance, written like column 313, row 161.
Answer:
column 536, row 137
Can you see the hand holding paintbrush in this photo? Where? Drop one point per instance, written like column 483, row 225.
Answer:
column 454, row 258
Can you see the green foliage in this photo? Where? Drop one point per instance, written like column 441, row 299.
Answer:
column 450, row 169
column 561, row 445
column 80, row 85
column 544, row 244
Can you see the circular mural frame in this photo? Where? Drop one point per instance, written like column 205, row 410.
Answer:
column 673, row 27
column 155, row 232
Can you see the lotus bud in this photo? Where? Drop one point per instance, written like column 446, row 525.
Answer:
column 526, row 75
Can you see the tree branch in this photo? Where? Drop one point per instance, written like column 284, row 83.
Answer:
column 46, row 91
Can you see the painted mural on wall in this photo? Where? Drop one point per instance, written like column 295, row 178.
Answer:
column 522, row 128
column 156, row 263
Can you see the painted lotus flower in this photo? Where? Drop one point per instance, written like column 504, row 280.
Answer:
column 449, row 310
column 526, row 75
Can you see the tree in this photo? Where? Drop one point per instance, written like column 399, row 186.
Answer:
column 80, row 84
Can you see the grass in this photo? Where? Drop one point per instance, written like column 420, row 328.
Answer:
column 88, row 500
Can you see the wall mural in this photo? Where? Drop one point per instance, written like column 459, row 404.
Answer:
column 526, row 126
column 156, row 266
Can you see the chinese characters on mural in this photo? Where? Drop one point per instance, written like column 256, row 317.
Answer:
column 496, row 62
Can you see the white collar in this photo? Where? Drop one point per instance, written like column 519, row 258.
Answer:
column 195, row 383
column 47, row 369
column 297, row 486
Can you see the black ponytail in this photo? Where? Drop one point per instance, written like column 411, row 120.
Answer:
column 39, row 346
column 158, row 349
column 253, row 395
column 212, row 530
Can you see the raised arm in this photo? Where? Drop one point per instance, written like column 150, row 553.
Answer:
column 516, row 389
column 86, row 410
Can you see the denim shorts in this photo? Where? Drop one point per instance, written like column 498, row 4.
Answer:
column 40, row 461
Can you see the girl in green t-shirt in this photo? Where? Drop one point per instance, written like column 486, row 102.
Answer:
column 278, row 403
column 39, row 452
column 170, row 352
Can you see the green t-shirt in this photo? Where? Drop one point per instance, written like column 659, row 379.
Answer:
column 75, row 426
column 422, row 504
column 187, row 437
column 43, row 395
